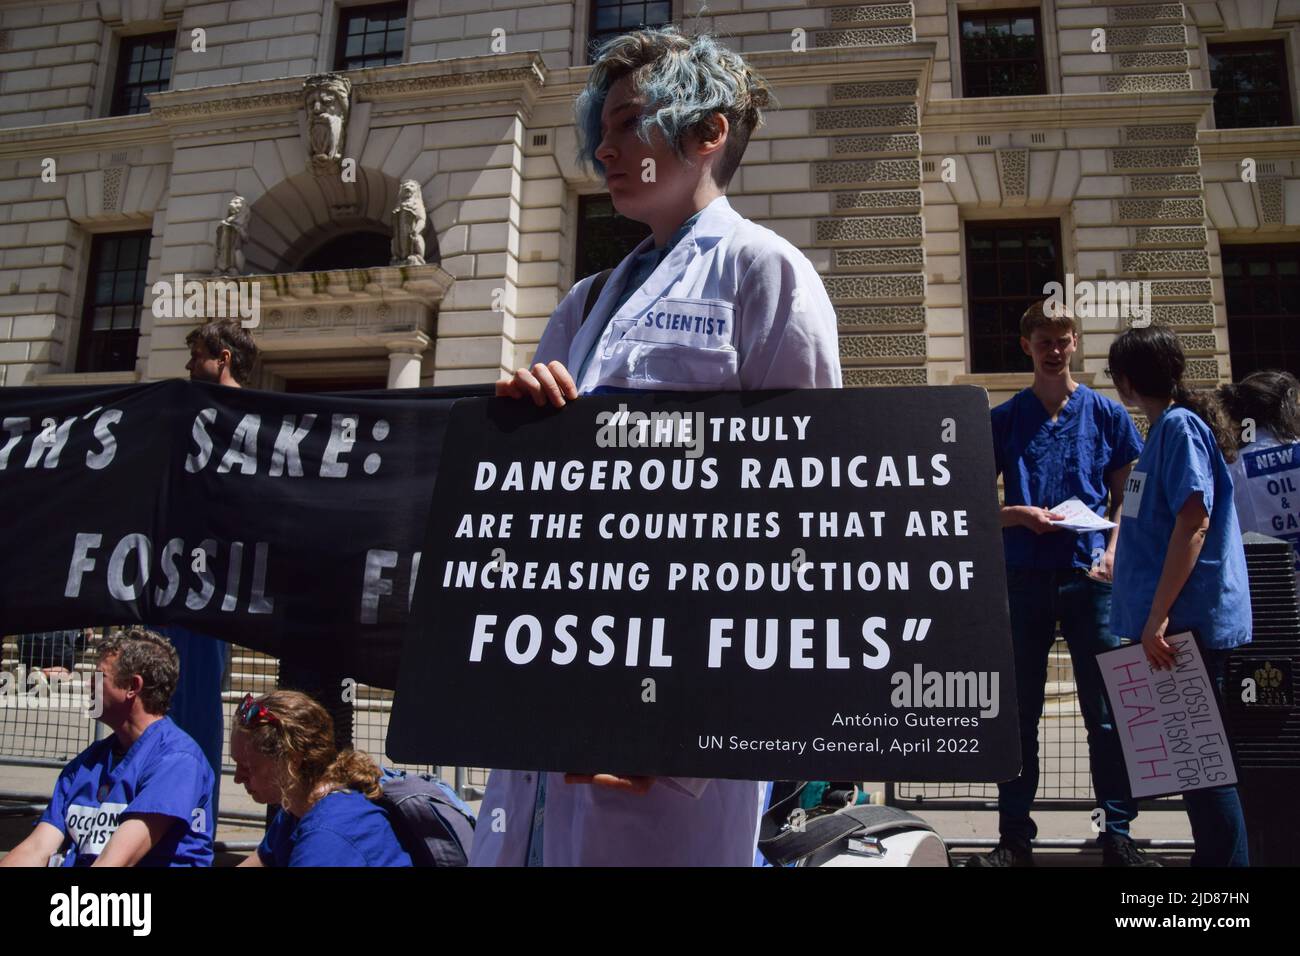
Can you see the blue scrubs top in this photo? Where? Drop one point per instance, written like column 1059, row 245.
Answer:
column 163, row 772
column 340, row 829
column 1044, row 463
column 1180, row 459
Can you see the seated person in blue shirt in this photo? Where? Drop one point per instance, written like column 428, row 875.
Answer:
column 141, row 796
column 1181, row 565
column 1054, row 441
column 283, row 748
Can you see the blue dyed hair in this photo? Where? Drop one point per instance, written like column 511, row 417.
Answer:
column 685, row 81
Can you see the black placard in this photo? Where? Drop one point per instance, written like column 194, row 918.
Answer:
column 874, row 670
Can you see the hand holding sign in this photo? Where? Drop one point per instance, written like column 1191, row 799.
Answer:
column 1159, row 654
column 543, row 383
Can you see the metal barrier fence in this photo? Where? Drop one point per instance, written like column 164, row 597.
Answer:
column 43, row 721
column 50, row 736
column 1065, row 777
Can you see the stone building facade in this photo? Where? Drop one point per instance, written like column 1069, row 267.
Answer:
column 907, row 159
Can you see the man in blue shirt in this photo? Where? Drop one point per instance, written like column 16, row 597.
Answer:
column 1054, row 441
column 142, row 795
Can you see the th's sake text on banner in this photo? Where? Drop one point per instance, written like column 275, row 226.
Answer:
column 785, row 585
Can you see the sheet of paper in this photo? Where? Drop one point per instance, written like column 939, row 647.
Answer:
column 1079, row 517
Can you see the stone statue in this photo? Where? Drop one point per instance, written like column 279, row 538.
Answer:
column 326, row 99
column 232, row 233
column 408, row 226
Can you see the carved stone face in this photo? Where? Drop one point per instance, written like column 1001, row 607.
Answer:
column 324, row 102
column 235, row 207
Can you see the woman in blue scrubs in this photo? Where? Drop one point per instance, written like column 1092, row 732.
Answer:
column 1180, row 565
column 283, row 748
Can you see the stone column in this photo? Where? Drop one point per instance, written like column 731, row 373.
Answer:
column 404, row 356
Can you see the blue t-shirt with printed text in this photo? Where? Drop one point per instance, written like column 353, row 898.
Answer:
column 1044, row 463
column 340, row 829
column 1180, row 459
column 164, row 772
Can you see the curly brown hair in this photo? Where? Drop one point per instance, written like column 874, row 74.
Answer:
column 143, row 652
column 301, row 741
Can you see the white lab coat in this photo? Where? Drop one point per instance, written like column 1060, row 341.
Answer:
column 772, row 327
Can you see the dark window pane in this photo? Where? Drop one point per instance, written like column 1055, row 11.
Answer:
column 1263, row 307
column 1236, row 297
column 984, row 282
column 983, row 317
column 114, row 297
column 604, row 237
column 1011, row 278
column 1266, row 299
column 1252, row 88
column 1001, row 54
column 1011, row 244
column 1007, row 265
column 980, row 246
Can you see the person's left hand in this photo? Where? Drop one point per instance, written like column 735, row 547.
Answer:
column 1159, row 654
column 1104, row 569
column 636, row 785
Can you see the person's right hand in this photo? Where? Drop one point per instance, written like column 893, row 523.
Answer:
column 1039, row 520
column 542, row 383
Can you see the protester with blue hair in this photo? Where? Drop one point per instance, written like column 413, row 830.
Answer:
column 708, row 302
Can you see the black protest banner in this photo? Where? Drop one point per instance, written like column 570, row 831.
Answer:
column 786, row 585
column 277, row 521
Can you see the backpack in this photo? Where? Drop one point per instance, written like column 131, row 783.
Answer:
column 431, row 823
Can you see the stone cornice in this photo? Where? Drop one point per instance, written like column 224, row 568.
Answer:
column 521, row 75
column 817, row 65
column 1279, row 142
column 82, row 136
column 522, row 72
column 1064, row 110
